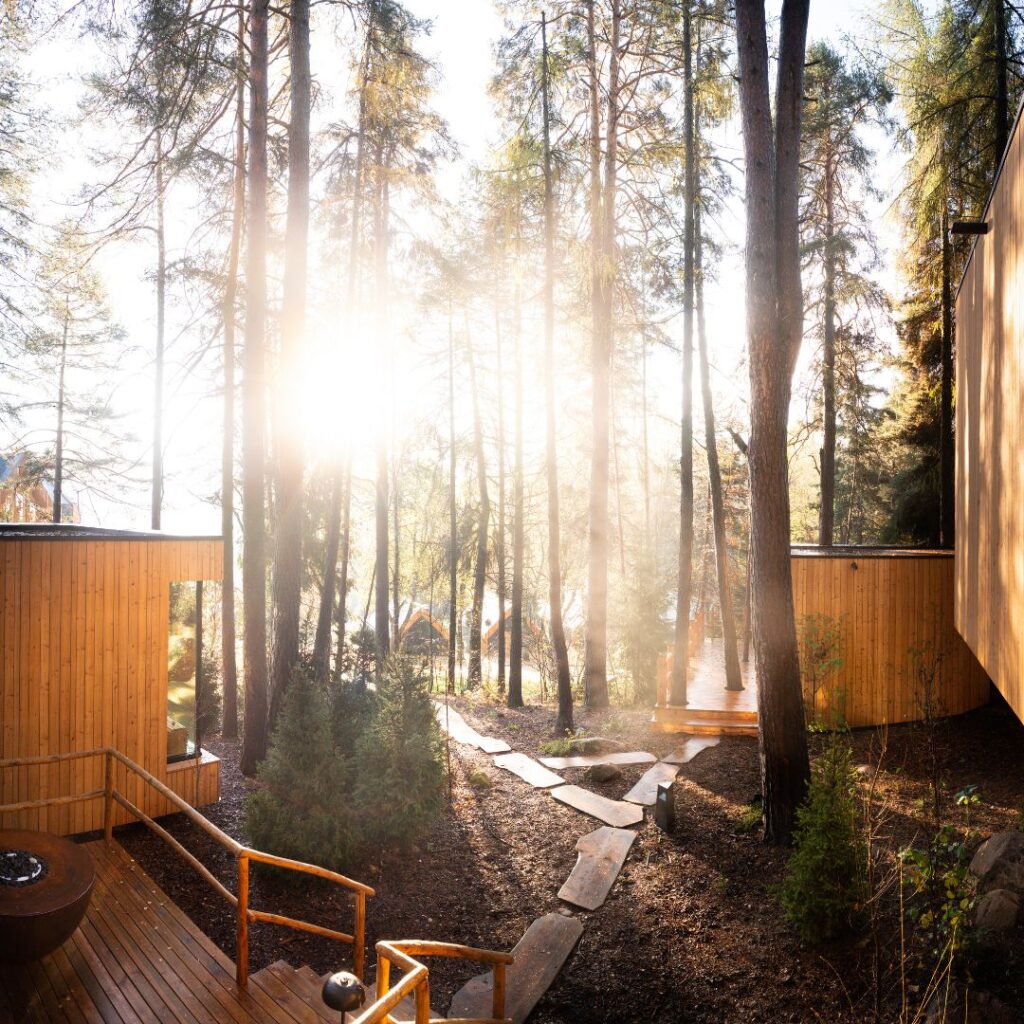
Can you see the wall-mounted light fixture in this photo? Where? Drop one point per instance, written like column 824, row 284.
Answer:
column 969, row 227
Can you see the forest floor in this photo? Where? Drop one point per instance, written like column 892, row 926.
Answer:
column 691, row 931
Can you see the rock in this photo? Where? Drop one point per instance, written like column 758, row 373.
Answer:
column 866, row 771
column 601, row 773
column 999, row 862
column 997, row 910
column 596, row 745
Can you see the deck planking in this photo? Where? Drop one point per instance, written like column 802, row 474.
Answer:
column 138, row 958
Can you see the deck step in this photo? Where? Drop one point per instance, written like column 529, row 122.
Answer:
column 722, row 726
column 540, row 955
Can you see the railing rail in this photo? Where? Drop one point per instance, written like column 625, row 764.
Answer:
column 416, row 980
column 243, row 855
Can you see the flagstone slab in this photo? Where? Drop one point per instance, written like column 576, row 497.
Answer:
column 539, row 957
column 588, row 760
column 646, row 789
column 601, row 856
column 611, row 812
column 462, row 732
column 529, row 770
column 690, row 749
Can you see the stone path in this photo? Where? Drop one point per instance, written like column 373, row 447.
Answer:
column 529, row 770
column 690, row 749
column 456, row 726
column 601, row 856
column 589, row 760
column 646, row 789
column 611, row 812
column 540, row 955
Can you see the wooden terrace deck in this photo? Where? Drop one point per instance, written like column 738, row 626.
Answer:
column 137, row 958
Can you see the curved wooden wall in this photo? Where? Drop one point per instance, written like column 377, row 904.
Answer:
column 83, row 664
column 896, row 615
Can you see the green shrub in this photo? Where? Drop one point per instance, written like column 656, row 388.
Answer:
column 301, row 807
column 349, row 773
column 825, row 878
column 400, row 769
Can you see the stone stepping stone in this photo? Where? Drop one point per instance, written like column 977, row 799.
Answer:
column 529, row 770
column 611, row 812
column 690, row 749
column 462, row 732
column 646, row 790
column 540, row 955
column 601, row 856
column 587, row 760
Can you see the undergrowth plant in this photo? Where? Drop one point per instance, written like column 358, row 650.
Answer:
column 824, row 887
column 820, row 640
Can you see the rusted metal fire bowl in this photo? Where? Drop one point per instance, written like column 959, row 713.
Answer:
column 45, row 885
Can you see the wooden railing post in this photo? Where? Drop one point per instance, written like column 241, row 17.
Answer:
column 108, row 796
column 359, row 936
column 423, row 1002
column 242, row 923
column 498, row 994
column 383, row 978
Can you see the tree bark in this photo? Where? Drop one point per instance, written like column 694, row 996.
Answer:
column 346, row 536
column 947, row 452
column 515, row 675
column 564, row 722
column 602, row 245
column 289, row 455
column 826, row 516
column 381, row 610
column 453, row 564
column 254, row 739
column 1002, row 83
column 483, row 520
column 774, row 329
column 58, row 454
column 733, row 675
column 684, row 575
column 325, row 612
column 499, row 545
column 229, row 668
column 157, row 496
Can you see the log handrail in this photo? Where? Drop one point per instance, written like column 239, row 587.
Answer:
column 416, row 979
column 243, row 854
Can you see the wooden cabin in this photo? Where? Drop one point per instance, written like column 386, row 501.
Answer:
column 990, row 434
column 899, row 652
column 101, row 646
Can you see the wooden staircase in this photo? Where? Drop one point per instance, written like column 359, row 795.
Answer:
column 704, row 721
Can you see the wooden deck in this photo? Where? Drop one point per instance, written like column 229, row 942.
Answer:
column 137, row 958
column 710, row 709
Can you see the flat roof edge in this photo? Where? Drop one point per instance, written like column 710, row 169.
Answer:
column 73, row 531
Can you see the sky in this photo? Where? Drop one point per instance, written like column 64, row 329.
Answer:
column 461, row 43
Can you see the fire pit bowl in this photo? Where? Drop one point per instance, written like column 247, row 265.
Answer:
column 45, row 885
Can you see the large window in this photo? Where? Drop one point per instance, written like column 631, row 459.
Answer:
column 184, row 669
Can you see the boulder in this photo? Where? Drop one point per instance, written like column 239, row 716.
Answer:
column 999, row 863
column 596, row 745
column 997, row 910
column 601, row 773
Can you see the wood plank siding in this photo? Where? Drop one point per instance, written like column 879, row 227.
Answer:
column 990, row 436
column 83, row 664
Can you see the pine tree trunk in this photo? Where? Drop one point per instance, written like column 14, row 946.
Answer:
column 684, row 574
column 826, row 518
column 480, row 575
column 499, row 545
column 346, row 537
column 229, row 668
column 453, row 565
column 381, row 610
column 602, row 245
column 288, row 558
column 564, row 722
column 396, row 562
column 515, row 675
column 947, row 451
column 254, row 739
column 1002, row 113
column 733, row 675
column 58, row 454
column 325, row 611
column 157, row 497
column 774, row 330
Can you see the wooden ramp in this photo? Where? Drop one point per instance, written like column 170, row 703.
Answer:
column 462, row 732
column 589, row 760
column 528, row 770
column 601, row 856
column 540, row 955
column 138, row 959
column 611, row 812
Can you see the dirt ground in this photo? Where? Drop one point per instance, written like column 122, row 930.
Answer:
column 691, row 931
